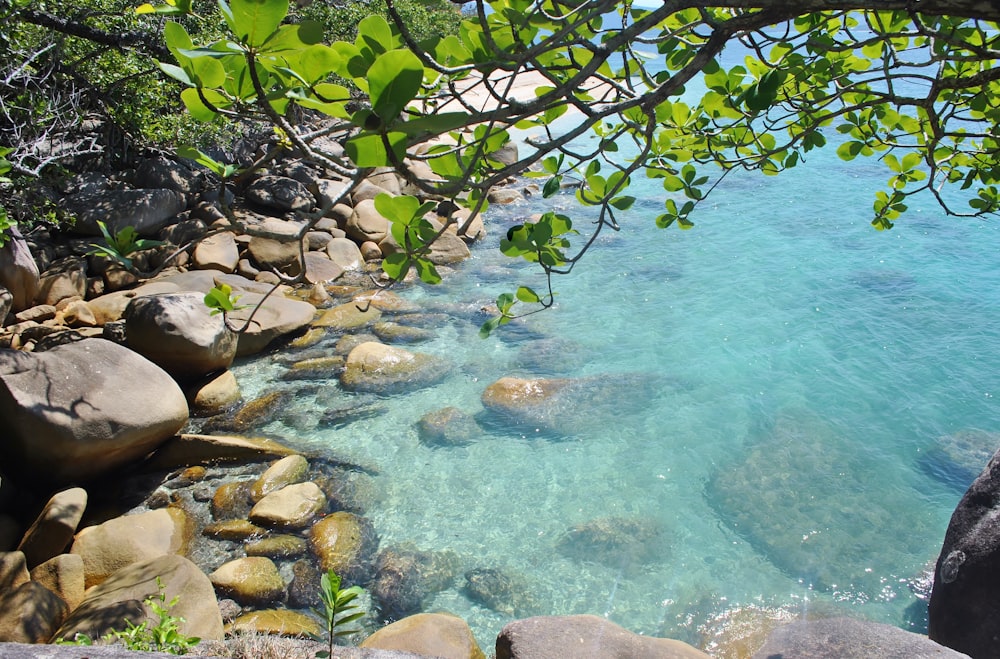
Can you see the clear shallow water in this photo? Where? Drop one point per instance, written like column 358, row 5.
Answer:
column 788, row 371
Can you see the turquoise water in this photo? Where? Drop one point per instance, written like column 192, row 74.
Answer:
column 771, row 386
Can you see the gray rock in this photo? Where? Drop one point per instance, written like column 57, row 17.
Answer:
column 846, row 638
column 448, row 427
column 964, row 610
column 277, row 317
column 98, row 406
column 280, row 193
column 178, row 332
column 406, row 577
column 584, row 637
column 378, row 368
column 18, row 272
column 63, row 279
column 148, row 210
column 159, row 172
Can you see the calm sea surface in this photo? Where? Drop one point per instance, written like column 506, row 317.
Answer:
column 778, row 413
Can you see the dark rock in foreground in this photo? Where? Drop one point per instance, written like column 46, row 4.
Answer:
column 584, row 637
column 964, row 611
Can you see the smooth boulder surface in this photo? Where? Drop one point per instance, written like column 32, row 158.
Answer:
column 276, row 317
column 846, row 638
column 82, row 409
column 378, row 368
column 54, row 527
column 146, row 209
column 964, row 610
column 584, row 637
column 179, row 333
column 18, row 271
column 432, row 634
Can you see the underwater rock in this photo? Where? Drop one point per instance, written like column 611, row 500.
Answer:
column 378, row 368
column 406, row 577
column 618, row 542
column 347, row 489
column 345, row 543
column 303, row 590
column 448, row 427
column 551, row 356
column 790, row 493
column 957, row 459
column 348, row 410
column 502, row 592
column 254, row 414
column 568, row 406
column 318, row 368
column 391, row 332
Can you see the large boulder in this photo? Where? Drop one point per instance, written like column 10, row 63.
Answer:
column 277, row 317
column 81, row 410
column 584, row 637
column 177, row 332
column 447, row 249
column 121, row 541
column 366, row 223
column 964, row 610
column 53, row 529
column 147, row 210
column 433, row 634
column 253, row 580
column 18, row 272
column 217, row 252
column 378, row 368
column 847, row 638
column 407, row 577
column 123, row 595
column 280, row 193
column 30, row 613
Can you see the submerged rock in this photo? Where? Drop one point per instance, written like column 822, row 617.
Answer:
column 500, row 591
column 957, row 459
column 618, row 542
column 448, row 427
column 406, row 577
column 378, row 368
column 345, row 543
column 807, row 499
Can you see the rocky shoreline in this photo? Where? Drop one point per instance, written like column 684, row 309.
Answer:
column 127, row 380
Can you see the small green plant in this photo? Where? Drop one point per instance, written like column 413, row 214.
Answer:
column 220, row 299
column 121, row 244
column 339, row 610
column 164, row 636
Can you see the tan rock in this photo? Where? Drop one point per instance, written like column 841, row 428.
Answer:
column 64, row 278
column 122, row 595
column 252, row 581
column 434, row 634
column 78, row 314
column 312, row 336
column 288, row 470
column 184, row 450
column 63, row 575
column 13, row 570
column 277, row 317
column 236, row 530
column 291, row 507
column 231, row 500
column 345, row 253
column 31, row 613
column 320, row 269
column 119, row 542
column 375, row 367
column 217, row 252
column 348, row 316
column 366, row 223
column 370, row 251
column 111, row 306
column 215, row 394
column 53, row 529
column 385, row 301
column 277, row 546
column 345, row 543
column 279, row 622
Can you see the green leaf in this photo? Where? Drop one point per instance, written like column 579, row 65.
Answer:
column 396, row 266
column 623, row 203
column 368, row 150
column 525, row 294
column 487, row 328
column 393, row 81
column 427, row 272
column 400, row 208
column 253, row 21
column 552, row 187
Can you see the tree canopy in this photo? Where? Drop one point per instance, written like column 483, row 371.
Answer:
column 913, row 84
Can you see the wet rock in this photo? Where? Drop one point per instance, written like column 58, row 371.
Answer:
column 352, row 315
column 232, row 500
column 619, row 542
column 215, row 394
column 303, row 590
column 319, row 368
column 348, row 490
column 277, row 547
column 396, row 333
column 378, row 368
column 251, row 581
column 349, row 342
column 98, row 405
column 448, row 427
column 291, row 507
column 431, row 634
column 345, row 543
column 121, row 541
column 286, row 471
column 187, row 449
column 405, row 578
column 234, row 530
column 340, row 413
column 583, row 637
column 279, row 622
column 253, row 414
